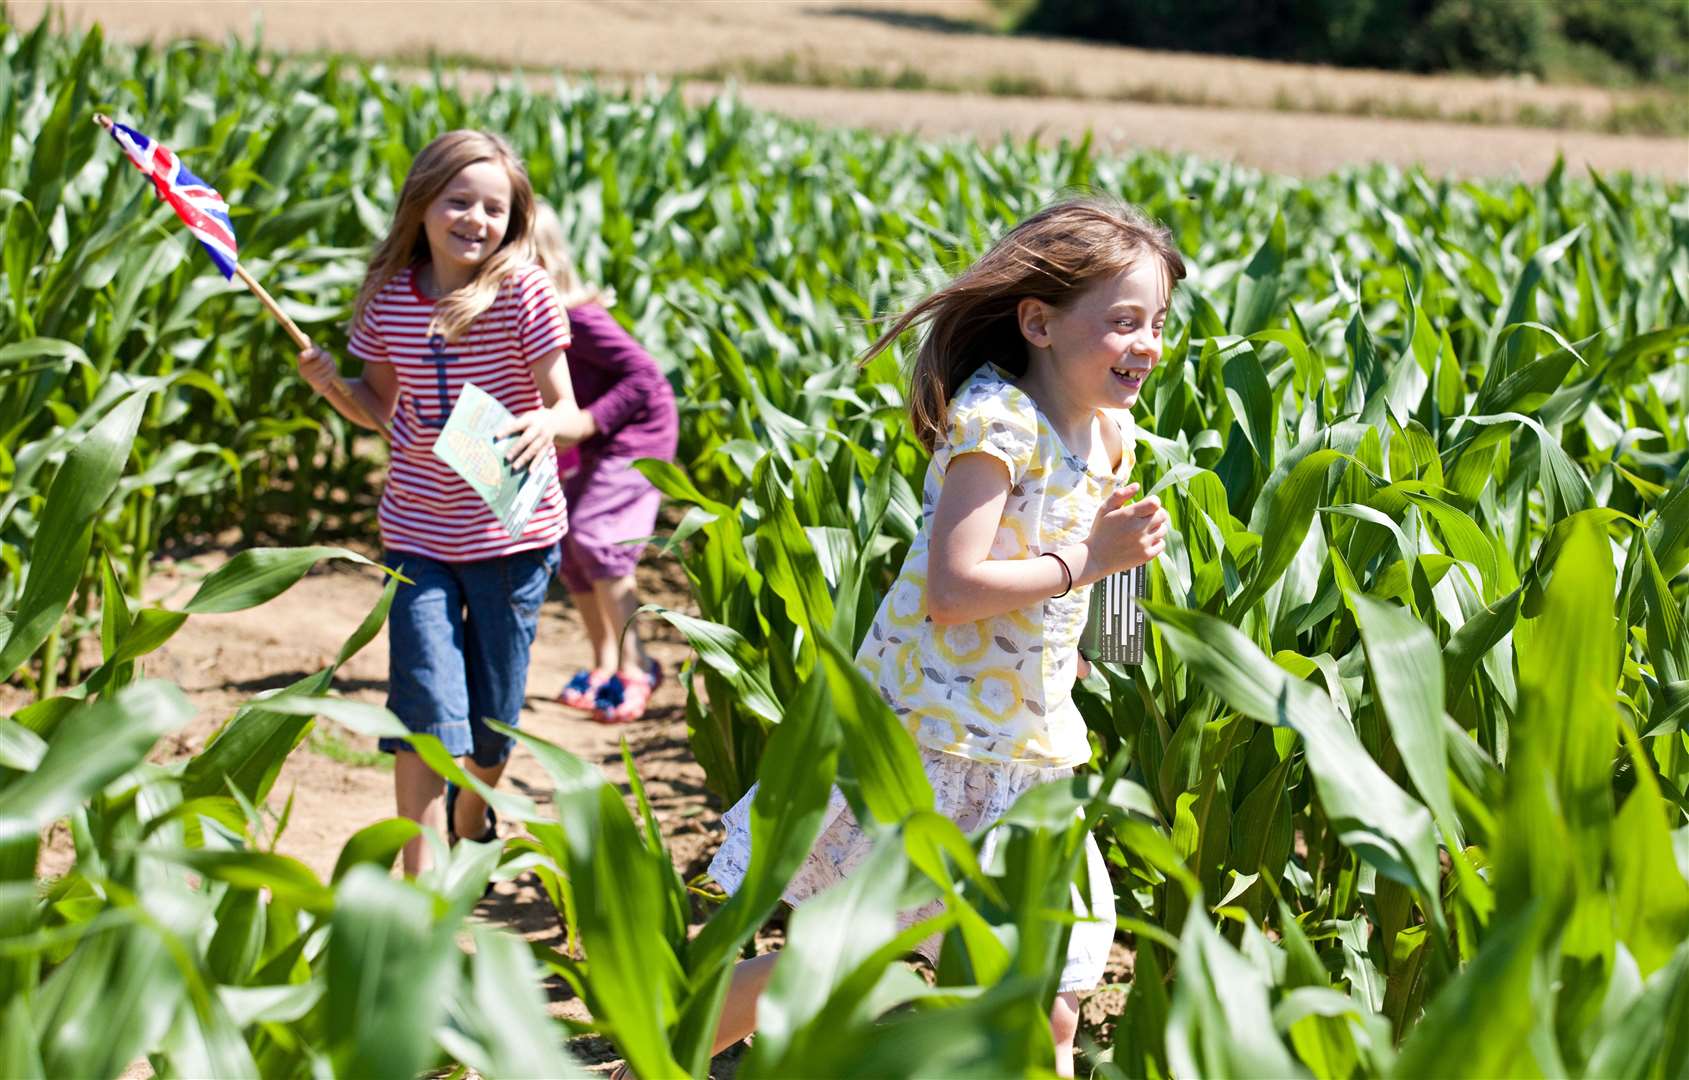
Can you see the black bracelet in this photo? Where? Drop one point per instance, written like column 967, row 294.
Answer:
column 1064, row 569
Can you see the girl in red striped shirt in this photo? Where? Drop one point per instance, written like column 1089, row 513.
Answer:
column 452, row 296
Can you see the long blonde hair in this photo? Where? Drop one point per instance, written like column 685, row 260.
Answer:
column 552, row 252
column 406, row 244
column 1052, row 256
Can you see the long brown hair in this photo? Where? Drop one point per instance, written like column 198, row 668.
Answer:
column 406, row 243
column 1052, row 256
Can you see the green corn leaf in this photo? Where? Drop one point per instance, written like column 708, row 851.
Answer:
column 79, row 490
column 1382, row 823
column 391, row 969
column 1219, row 1022
column 1650, row 1036
column 1490, row 1020
column 511, row 1033
column 727, row 652
column 92, row 746
column 378, row 845
column 620, row 892
column 1257, row 288
column 786, row 815
column 1652, row 897
column 1407, row 679
column 258, row 575
column 830, row 936
column 882, row 775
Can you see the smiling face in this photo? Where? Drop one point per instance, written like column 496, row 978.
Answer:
column 1104, row 343
column 467, row 221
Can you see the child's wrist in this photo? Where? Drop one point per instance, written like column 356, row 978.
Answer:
column 1083, row 562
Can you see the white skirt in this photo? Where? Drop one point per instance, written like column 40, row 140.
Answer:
column 973, row 794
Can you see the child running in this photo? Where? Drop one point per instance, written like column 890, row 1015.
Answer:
column 1028, row 366
column 629, row 413
column 452, row 296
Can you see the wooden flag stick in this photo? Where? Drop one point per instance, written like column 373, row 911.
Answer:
column 340, row 388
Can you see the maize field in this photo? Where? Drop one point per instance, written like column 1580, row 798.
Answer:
column 1401, row 786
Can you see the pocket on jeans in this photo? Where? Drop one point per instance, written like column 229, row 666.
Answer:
column 528, row 574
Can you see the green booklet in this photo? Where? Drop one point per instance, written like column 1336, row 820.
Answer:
column 1114, row 630
column 467, row 444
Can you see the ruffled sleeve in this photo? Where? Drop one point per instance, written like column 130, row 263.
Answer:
column 991, row 416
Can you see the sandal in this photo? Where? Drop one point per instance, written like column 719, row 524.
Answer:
column 581, row 692
column 622, row 698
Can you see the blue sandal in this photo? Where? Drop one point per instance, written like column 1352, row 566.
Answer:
column 581, row 691
column 623, row 699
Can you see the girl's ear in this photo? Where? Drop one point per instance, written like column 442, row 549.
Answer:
column 1033, row 317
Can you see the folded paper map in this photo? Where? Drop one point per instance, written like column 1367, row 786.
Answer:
column 467, row 444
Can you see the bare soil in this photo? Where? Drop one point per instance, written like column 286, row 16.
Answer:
column 1281, row 117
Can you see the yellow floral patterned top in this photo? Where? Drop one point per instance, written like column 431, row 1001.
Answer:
column 1000, row 689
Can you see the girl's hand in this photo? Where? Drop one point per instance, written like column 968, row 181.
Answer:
column 543, row 431
column 576, row 427
column 1128, row 534
column 318, row 369
column 1084, row 669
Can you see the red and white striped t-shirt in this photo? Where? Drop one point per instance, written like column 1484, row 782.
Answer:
column 426, row 508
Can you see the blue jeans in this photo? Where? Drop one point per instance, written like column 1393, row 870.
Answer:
column 458, row 645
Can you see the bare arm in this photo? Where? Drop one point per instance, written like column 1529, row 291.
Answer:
column 964, row 584
column 561, row 423
column 371, row 397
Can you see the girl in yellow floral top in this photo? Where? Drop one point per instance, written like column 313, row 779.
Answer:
column 1027, row 370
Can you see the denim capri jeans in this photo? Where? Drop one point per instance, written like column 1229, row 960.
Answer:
column 458, row 645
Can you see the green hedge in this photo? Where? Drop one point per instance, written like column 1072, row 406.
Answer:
column 1646, row 39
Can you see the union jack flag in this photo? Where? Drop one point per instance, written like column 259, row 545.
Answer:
column 197, row 203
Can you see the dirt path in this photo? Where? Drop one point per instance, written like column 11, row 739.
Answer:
column 338, row 780
column 1230, row 109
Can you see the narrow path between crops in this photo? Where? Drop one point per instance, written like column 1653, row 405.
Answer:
column 340, row 783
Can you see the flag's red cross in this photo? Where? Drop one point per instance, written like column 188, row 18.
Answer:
column 197, row 203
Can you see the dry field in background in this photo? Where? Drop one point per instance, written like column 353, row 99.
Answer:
column 945, row 43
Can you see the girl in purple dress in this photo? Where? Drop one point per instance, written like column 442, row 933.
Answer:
column 630, row 407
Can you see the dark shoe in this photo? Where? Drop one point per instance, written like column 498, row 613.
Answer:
column 452, row 837
column 451, row 827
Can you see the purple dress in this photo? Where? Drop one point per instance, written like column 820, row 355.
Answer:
column 629, row 399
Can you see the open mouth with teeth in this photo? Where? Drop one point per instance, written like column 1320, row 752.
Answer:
column 1130, row 378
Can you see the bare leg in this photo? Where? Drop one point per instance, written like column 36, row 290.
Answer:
column 471, row 808
column 618, row 600
column 1064, row 1025
column 416, row 794
column 739, row 1009
column 599, row 632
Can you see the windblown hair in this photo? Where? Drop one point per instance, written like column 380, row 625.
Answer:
column 552, row 251
column 406, row 244
column 1052, row 256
